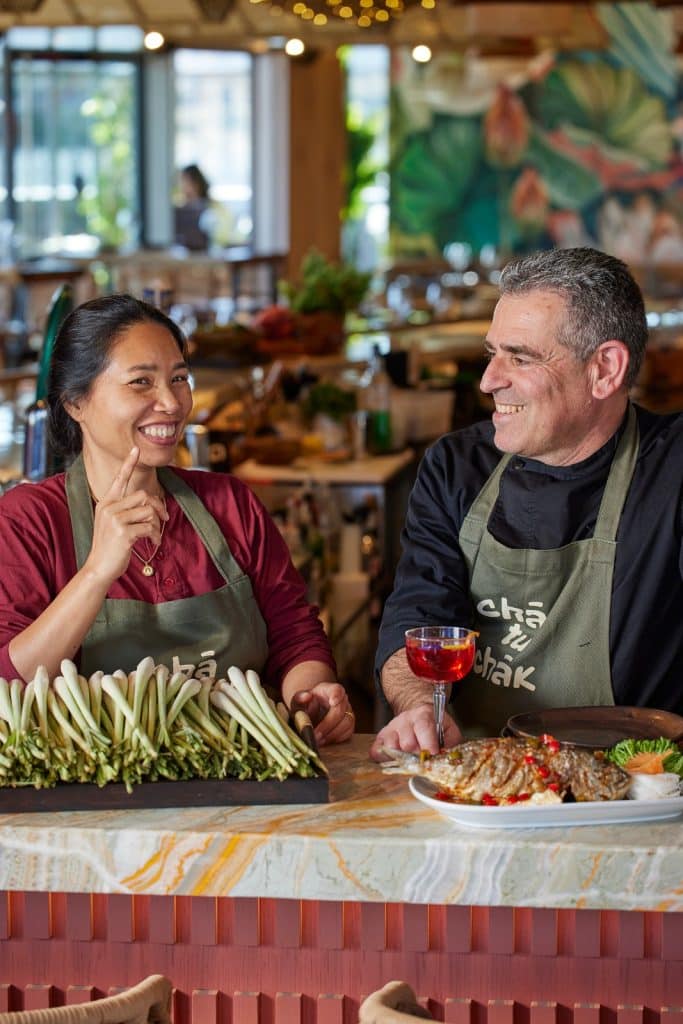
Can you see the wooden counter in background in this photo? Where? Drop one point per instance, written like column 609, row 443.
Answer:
column 235, row 271
column 292, row 914
column 384, row 480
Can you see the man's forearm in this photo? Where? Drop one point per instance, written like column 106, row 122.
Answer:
column 402, row 688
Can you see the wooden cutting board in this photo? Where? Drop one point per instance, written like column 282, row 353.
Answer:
column 77, row 796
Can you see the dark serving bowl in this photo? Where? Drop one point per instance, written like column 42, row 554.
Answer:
column 598, row 727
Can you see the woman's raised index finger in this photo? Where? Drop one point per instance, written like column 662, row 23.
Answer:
column 119, row 484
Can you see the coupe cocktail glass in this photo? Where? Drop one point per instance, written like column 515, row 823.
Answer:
column 440, row 654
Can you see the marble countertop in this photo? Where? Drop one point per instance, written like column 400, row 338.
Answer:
column 373, row 842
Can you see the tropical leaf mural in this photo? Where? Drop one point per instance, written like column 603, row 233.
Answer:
column 644, row 39
column 595, row 104
column 571, row 149
column 431, row 176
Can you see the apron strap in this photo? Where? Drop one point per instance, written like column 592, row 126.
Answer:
column 204, row 523
column 80, row 509
column 82, row 518
column 613, row 495
column 477, row 518
column 619, row 480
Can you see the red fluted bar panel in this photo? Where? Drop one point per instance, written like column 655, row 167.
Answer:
column 268, row 961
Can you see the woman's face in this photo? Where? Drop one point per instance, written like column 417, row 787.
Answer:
column 142, row 398
column 189, row 189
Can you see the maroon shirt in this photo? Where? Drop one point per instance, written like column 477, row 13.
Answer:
column 38, row 560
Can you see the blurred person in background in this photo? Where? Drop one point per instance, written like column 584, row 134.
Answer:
column 200, row 221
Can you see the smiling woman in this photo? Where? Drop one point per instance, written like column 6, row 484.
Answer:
column 125, row 556
column 142, row 398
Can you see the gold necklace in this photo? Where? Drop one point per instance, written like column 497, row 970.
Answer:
column 147, row 568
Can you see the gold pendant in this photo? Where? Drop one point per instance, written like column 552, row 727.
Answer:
column 147, row 569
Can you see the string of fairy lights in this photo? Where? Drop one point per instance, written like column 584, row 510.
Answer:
column 365, row 13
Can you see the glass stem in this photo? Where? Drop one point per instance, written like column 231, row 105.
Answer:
column 439, row 708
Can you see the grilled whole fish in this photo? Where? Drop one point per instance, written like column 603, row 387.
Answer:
column 513, row 770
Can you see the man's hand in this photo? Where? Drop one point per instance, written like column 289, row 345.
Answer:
column 414, row 730
column 327, row 705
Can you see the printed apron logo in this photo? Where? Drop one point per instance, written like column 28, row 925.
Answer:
column 500, row 671
column 206, row 669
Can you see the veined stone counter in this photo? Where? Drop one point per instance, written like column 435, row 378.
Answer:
column 372, row 843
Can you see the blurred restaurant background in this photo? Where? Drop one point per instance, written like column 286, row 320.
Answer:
column 366, row 169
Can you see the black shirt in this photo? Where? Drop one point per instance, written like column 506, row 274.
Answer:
column 544, row 507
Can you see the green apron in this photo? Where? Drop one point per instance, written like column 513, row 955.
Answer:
column 543, row 615
column 226, row 622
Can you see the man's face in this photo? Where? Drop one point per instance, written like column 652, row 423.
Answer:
column 545, row 408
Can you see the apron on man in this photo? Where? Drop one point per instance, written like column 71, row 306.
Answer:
column 543, row 616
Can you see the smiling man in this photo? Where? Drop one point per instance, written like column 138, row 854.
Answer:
column 555, row 530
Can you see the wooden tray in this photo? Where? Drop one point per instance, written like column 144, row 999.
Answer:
column 190, row 793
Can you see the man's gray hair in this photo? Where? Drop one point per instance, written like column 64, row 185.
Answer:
column 604, row 303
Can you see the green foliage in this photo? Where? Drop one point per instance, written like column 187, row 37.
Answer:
column 598, row 122
column 643, row 38
column 334, row 287
column 433, row 172
column 624, row 751
column 326, row 397
column 360, row 169
column 570, row 185
column 609, row 109
column 108, row 209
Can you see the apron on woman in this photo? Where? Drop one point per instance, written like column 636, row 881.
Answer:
column 226, row 622
column 543, row 615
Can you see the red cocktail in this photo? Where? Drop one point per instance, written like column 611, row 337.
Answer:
column 441, row 655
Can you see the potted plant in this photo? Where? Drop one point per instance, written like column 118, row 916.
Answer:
column 324, row 286
column 319, row 300
column 327, row 407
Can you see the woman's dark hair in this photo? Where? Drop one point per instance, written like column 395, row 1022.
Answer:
column 81, row 353
column 198, row 180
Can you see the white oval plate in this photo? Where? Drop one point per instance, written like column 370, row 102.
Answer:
column 598, row 812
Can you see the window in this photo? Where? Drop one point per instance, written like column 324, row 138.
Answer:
column 213, row 118
column 74, row 158
column 71, row 173
column 73, row 170
column 4, row 255
column 366, row 227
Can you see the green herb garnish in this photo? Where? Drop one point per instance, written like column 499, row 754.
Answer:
column 622, row 752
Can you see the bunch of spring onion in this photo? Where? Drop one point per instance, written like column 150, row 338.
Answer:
column 142, row 727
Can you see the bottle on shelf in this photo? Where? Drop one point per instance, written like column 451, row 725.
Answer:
column 376, row 399
column 39, row 458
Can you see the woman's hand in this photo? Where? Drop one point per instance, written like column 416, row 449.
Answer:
column 328, row 707
column 121, row 520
